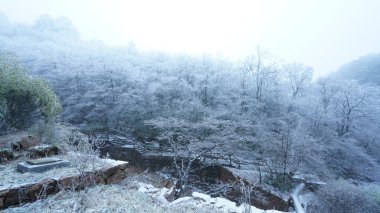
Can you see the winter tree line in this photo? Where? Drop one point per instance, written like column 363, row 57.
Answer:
column 261, row 108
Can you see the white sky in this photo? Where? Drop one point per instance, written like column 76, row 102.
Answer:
column 320, row 33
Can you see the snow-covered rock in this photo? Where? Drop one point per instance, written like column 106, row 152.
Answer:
column 201, row 196
column 225, row 205
column 157, row 194
column 183, row 200
column 147, row 188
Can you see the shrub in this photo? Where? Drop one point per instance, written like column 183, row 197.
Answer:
column 22, row 98
column 343, row 197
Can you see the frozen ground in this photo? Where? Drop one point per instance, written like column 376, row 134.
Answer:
column 134, row 198
column 105, row 198
column 9, row 175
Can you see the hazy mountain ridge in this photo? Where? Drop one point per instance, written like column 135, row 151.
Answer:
column 365, row 69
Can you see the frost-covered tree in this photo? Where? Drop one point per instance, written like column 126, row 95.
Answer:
column 187, row 142
column 327, row 89
column 350, row 104
column 263, row 68
column 299, row 77
column 102, row 88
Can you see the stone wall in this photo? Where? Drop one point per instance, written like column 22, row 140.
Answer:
column 14, row 195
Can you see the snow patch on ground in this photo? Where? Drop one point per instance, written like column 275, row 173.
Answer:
column 107, row 198
column 200, row 200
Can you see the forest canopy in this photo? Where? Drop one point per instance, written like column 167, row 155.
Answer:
column 279, row 122
column 260, row 110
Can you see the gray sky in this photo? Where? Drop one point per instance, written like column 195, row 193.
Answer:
column 320, row 33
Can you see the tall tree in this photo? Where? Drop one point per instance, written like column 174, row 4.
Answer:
column 264, row 71
column 350, row 103
column 298, row 76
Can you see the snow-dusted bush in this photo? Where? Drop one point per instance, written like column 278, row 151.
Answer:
column 343, row 197
column 23, row 99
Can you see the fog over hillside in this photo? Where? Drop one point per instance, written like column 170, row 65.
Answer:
column 365, row 69
column 266, row 111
